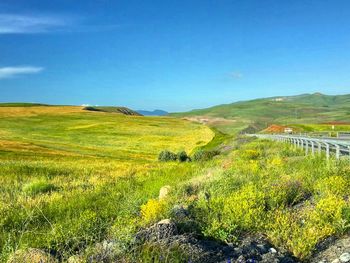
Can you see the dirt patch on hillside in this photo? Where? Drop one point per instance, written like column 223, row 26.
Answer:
column 209, row 120
column 274, row 128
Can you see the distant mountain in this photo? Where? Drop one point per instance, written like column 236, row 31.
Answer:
column 153, row 113
column 259, row 113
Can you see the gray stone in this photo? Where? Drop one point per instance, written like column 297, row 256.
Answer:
column 273, row 250
column 164, row 192
column 180, row 212
column 162, row 230
column 345, row 257
column 262, row 248
column 336, row 261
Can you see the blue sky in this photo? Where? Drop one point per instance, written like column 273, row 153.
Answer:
column 174, row 55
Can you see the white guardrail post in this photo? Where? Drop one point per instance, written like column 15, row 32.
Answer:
column 327, row 151
column 312, row 147
column 337, row 151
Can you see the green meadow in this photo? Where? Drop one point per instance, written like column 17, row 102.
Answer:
column 69, row 178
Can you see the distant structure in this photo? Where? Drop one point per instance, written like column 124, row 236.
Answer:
column 278, row 99
column 288, row 130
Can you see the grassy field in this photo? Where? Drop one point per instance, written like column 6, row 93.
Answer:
column 70, row 178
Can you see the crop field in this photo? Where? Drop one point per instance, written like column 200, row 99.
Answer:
column 69, row 178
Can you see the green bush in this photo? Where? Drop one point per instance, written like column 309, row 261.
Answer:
column 183, row 157
column 38, row 187
column 166, row 156
column 251, row 154
column 286, row 192
column 204, row 155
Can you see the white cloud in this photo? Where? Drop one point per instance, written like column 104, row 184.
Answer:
column 35, row 24
column 236, row 75
column 22, row 24
column 9, row 72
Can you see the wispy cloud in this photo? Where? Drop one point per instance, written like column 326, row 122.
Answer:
column 9, row 72
column 26, row 24
column 35, row 24
column 235, row 75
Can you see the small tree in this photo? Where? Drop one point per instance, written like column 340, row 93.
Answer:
column 183, row 157
column 166, row 156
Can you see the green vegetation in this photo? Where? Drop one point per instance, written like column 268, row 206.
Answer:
column 71, row 178
column 167, row 156
column 271, row 188
column 183, row 157
column 205, row 155
column 37, row 187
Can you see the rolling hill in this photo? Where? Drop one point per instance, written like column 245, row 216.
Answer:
column 38, row 108
column 260, row 113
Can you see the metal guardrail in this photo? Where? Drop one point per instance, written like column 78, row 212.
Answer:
column 313, row 145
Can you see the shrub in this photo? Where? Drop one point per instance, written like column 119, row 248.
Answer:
column 332, row 185
column 166, row 156
column 183, row 157
column 328, row 212
column 286, row 192
column 245, row 208
column 153, row 210
column 202, row 155
column 301, row 231
column 38, row 187
column 251, row 154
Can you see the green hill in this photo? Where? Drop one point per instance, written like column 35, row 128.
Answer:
column 259, row 113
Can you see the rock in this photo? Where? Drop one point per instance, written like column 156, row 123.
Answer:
column 162, row 230
column 263, row 249
column 180, row 212
column 164, row 222
column 345, row 257
column 251, row 248
column 31, row 255
column 241, row 259
column 75, row 259
column 105, row 251
column 273, row 250
column 330, row 249
column 164, row 192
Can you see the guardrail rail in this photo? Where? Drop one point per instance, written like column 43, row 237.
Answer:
column 313, row 145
